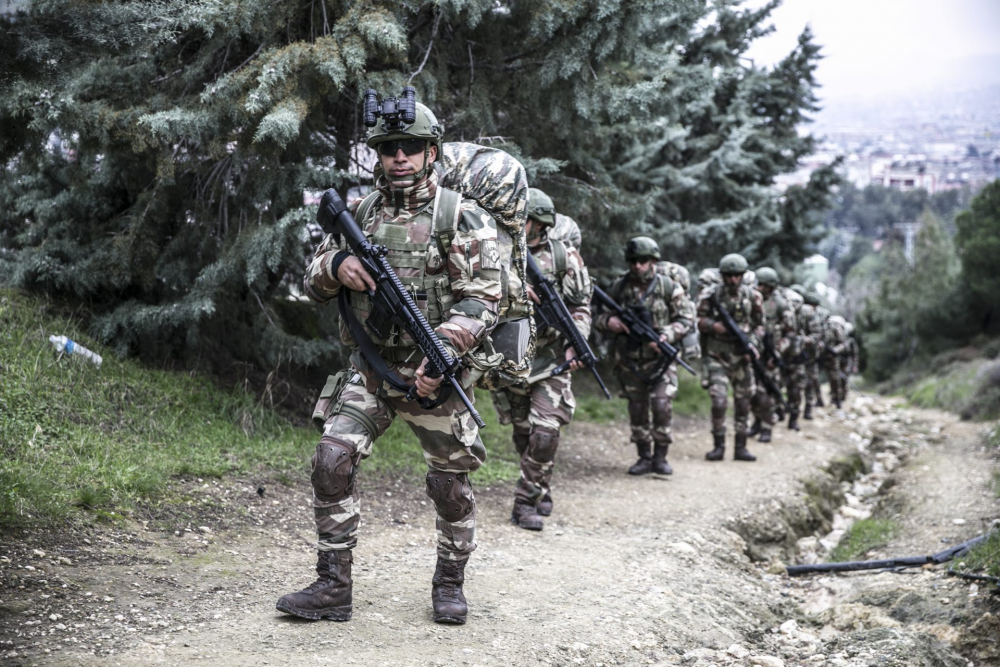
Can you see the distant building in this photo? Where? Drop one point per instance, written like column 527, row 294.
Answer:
column 815, row 269
column 905, row 177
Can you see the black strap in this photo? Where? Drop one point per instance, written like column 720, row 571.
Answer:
column 371, row 354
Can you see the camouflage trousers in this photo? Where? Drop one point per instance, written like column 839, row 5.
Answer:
column 794, row 376
column 452, row 449
column 537, row 411
column 831, row 365
column 643, row 398
column 763, row 403
column 724, row 369
column 812, row 382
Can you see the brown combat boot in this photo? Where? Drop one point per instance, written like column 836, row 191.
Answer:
column 720, row 447
column 742, row 453
column 525, row 516
column 659, row 463
column 793, row 421
column 327, row 597
column 447, row 597
column 544, row 506
column 645, row 463
column 765, row 434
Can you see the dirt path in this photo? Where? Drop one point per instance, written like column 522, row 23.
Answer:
column 627, row 571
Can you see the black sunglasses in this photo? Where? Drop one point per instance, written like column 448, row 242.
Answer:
column 408, row 146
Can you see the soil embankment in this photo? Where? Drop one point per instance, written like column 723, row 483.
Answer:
column 628, row 571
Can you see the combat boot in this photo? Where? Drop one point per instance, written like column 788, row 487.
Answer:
column 525, row 516
column 819, row 400
column 659, row 464
column 327, row 597
column 720, row 448
column 808, row 414
column 765, row 435
column 742, row 453
column 755, row 427
column 836, row 402
column 544, row 506
column 645, row 463
column 793, row 421
column 447, row 597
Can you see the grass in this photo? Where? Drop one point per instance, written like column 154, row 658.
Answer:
column 964, row 381
column 78, row 441
column 863, row 536
column 983, row 558
column 691, row 400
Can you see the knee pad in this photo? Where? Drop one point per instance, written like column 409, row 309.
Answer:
column 638, row 413
column 521, row 442
column 333, row 470
column 451, row 494
column 662, row 411
column 742, row 406
column 543, row 444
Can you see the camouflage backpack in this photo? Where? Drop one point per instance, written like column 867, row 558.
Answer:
column 497, row 182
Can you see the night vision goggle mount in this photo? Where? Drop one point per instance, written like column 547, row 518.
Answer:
column 397, row 112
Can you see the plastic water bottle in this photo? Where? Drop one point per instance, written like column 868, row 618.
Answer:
column 66, row 345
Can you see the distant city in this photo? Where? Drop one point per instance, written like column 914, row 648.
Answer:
column 950, row 142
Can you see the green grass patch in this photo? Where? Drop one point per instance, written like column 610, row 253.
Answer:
column 983, row 558
column 863, row 536
column 691, row 400
column 78, row 440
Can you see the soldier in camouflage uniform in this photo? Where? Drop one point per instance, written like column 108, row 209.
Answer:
column 837, row 349
column 794, row 369
column 817, row 331
column 458, row 286
column 852, row 362
column 782, row 330
column 545, row 403
column 567, row 230
column 725, row 360
column 812, row 342
column 647, row 386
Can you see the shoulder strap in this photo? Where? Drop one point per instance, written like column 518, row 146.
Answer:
column 447, row 209
column 366, row 205
column 558, row 258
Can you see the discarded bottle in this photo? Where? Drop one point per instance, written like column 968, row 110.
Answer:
column 66, row 345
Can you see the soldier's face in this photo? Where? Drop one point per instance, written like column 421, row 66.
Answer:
column 732, row 280
column 765, row 290
column 400, row 168
column 641, row 266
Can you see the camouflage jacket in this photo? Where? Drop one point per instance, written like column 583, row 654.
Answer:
column 575, row 289
column 835, row 336
column 459, row 292
column 781, row 323
column 745, row 304
column 670, row 309
column 677, row 273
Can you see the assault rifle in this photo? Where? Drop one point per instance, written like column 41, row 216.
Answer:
column 770, row 354
column 552, row 312
column 391, row 305
column 744, row 342
column 642, row 332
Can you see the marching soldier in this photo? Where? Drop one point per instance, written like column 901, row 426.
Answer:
column 812, row 341
column 784, row 348
column 665, row 305
column 540, row 409
column 459, row 283
column 726, row 361
column 835, row 340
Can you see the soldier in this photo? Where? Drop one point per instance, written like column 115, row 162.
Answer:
column 567, row 230
column 817, row 331
column 726, row 362
column 459, row 283
column 852, row 361
column 837, row 348
column 782, row 329
column 545, row 404
column 812, row 342
column 651, row 293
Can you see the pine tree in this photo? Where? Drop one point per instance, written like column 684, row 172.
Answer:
column 157, row 151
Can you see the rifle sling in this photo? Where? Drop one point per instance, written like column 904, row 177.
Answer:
column 371, row 354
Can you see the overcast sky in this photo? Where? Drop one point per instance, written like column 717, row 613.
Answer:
column 884, row 48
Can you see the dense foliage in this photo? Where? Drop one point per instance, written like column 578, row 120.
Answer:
column 156, row 151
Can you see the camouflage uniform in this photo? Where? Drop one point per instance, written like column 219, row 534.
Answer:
column 542, row 406
column 781, row 325
column 566, row 230
column 672, row 314
column 836, row 344
column 725, row 360
column 794, row 370
column 812, row 340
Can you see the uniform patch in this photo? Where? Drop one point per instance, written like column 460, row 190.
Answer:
column 490, row 254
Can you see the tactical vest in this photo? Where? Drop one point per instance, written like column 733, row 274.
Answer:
column 740, row 306
column 655, row 299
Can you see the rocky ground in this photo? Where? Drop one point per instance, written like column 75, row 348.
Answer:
column 685, row 570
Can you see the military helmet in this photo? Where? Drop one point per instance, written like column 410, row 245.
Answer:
column 812, row 298
column 641, row 246
column 733, row 264
column 767, row 276
column 425, row 126
column 798, row 289
column 540, row 207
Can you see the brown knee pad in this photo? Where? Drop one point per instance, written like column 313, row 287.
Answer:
column 741, row 406
column 333, row 469
column 662, row 411
column 638, row 413
column 543, row 444
column 719, row 404
column 451, row 493
column 521, row 441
